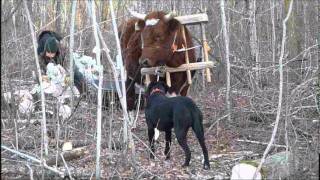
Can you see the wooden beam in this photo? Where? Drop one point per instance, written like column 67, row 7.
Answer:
column 168, row 79
column 147, row 80
column 183, row 67
column 186, row 55
column 193, row 19
column 205, row 50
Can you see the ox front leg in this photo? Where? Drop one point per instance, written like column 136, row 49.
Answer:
column 168, row 144
column 130, row 94
column 151, row 141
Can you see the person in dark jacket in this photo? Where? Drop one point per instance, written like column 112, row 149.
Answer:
column 49, row 49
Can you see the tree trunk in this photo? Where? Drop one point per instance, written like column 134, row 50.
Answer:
column 58, row 20
column 226, row 43
column 253, row 39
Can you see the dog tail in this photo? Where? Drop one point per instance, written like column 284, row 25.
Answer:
column 197, row 123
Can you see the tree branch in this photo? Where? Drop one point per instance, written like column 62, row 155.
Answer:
column 280, row 91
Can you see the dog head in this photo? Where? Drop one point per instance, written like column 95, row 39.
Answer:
column 157, row 87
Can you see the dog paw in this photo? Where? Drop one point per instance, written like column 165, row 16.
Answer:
column 206, row 166
column 151, row 156
column 185, row 165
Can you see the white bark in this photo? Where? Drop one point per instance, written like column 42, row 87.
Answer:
column 123, row 99
column 73, row 17
column 254, row 48
column 99, row 108
column 44, row 138
column 274, row 132
column 273, row 33
column 226, row 42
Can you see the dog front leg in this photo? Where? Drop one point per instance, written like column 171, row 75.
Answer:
column 151, row 141
column 168, row 144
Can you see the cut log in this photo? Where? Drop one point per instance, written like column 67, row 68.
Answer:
column 68, row 155
column 276, row 166
column 183, row 67
column 192, row 19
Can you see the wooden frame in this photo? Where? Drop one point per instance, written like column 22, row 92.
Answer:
column 168, row 70
column 206, row 64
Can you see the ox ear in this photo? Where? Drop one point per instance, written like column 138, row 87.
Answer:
column 139, row 25
column 173, row 25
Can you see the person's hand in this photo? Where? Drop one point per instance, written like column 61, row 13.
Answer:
column 67, row 80
column 45, row 78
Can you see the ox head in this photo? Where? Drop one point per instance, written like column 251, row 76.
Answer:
column 158, row 37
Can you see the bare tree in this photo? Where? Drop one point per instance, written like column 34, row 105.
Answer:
column 274, row 132
column 254, row 47
column 226, row 43
column 44, row 138
column 99, row 108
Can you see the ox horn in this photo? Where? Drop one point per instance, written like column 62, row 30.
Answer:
column 170, row 16
column 137, row 15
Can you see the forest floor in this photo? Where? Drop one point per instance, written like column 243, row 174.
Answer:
column 244, row 138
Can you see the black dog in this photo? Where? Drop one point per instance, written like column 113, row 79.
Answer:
column 180, row 113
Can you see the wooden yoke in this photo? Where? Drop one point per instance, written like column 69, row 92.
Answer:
column 194, row 19
column 206, row 49
column 186, row 55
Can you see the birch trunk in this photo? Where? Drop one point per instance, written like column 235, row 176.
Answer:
column 254, row 49
column 73, row 16
column 273, row 42
column 123, row 99
column 97, row 51
column 274, row 132
column 58, row 21
column 226, row 42
column 44, row 144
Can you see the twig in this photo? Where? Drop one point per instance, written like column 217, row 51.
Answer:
column 30, row 170
column 280, row 92
column 148, row 148
column 44, row 144
column 257, row 142
column 66, row 166
column 33, row 159
column 12, row 12
column 217, row 121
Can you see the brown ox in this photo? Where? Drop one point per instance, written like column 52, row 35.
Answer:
column 154, row 42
